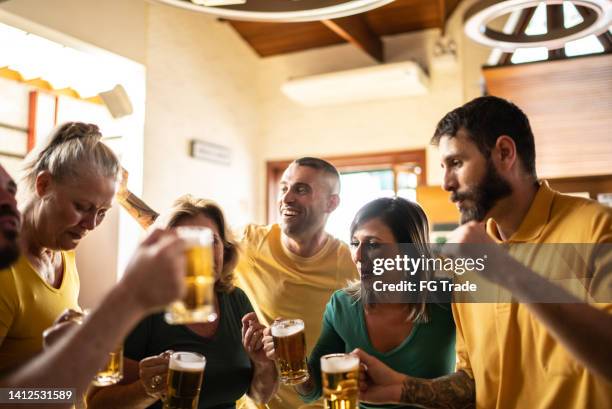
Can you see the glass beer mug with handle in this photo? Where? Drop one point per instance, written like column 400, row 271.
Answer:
column 290, row 347
column 185, row 374
column 112, row 371
column 198, row 305
column 340, row 379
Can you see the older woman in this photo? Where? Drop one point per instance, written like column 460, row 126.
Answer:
column 68, row 186
column 232, row 344
column 412, row 337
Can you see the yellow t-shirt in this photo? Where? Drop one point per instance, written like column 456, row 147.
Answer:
column 29, row 305
column 281, row 284
column 514, row 360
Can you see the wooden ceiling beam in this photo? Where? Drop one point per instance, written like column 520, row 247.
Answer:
column 442, row 11
column 521, row 26
column 554, row 20
column 356, row 30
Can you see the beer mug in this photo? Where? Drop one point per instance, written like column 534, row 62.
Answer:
column 112, row 372
column 198, row 305
column 290, row 347
column 340, row 378
column 185, row 373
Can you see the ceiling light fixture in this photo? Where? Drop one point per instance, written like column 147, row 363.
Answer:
column 279, row 10
column 478, row 17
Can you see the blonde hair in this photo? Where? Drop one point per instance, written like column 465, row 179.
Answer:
column 69, row 148
column 186, row 207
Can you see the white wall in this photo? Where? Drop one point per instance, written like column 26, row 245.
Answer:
column 115, row 25
column 200, row 84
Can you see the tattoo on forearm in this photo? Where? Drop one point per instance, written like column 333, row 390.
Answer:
column 455, row 391
column 138, row 209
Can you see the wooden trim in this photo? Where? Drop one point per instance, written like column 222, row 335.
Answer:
column 56, row 110
column 11, row 155
column 32, row 112
column 591, row 184
column 347, row 163
column 13, row 127
column 442, row 11
column 356, row 30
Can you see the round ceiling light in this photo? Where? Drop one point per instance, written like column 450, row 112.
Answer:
column 478, row 17
column 279, row 10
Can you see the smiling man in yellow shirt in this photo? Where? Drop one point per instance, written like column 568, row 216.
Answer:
column 291, row 269
column 524, row 354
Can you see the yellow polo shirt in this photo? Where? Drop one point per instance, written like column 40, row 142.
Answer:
column 282, row 284
column 29, row 305
column 513, row 359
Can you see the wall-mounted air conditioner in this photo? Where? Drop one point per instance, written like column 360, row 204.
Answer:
column 396, row 80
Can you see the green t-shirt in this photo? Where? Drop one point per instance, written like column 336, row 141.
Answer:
column 428, row 352
column 228, row 371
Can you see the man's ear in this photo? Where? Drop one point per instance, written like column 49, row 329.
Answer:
column 43, row 183
column 506, row 152
column 333, row 202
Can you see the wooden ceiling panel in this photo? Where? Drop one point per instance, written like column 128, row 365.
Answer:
column 269, row 39
column 402, row 16
column 398, row 17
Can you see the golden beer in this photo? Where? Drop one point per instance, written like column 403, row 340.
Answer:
column 290, row 347
column 340, row 378
column 185, row 373
column 112, row 372
column 198, row 305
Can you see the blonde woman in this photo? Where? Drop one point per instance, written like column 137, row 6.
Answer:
column 235, row 361
column 68, row 185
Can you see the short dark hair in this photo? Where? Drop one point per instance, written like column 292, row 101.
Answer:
column 487, row 118
column 321, row 165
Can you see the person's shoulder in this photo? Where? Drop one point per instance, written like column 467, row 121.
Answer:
column 11, row 274
column 441, row 311
column 342, row 253
column 236, row 293
column 586, row 214
column 238, row 297
column 8, row 279
column 572, row 204
column 256, row 233
column 342, row 301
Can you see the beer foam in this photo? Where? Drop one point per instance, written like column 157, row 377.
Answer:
column 281, row 330
column 339, row 363
column 188, row 363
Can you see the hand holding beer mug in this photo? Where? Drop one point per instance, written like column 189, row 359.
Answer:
column 340, row 378
column 112, row 372
column 289, row 350
column 153, row 374
column 185, row 374
column 198, row 305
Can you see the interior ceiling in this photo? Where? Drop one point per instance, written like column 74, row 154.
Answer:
column 363, row 30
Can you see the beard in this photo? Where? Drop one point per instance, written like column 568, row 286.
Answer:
column 9, row 249
column 491, row 189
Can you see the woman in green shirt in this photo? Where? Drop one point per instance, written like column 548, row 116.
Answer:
column 416, row 338
column 235, row 361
